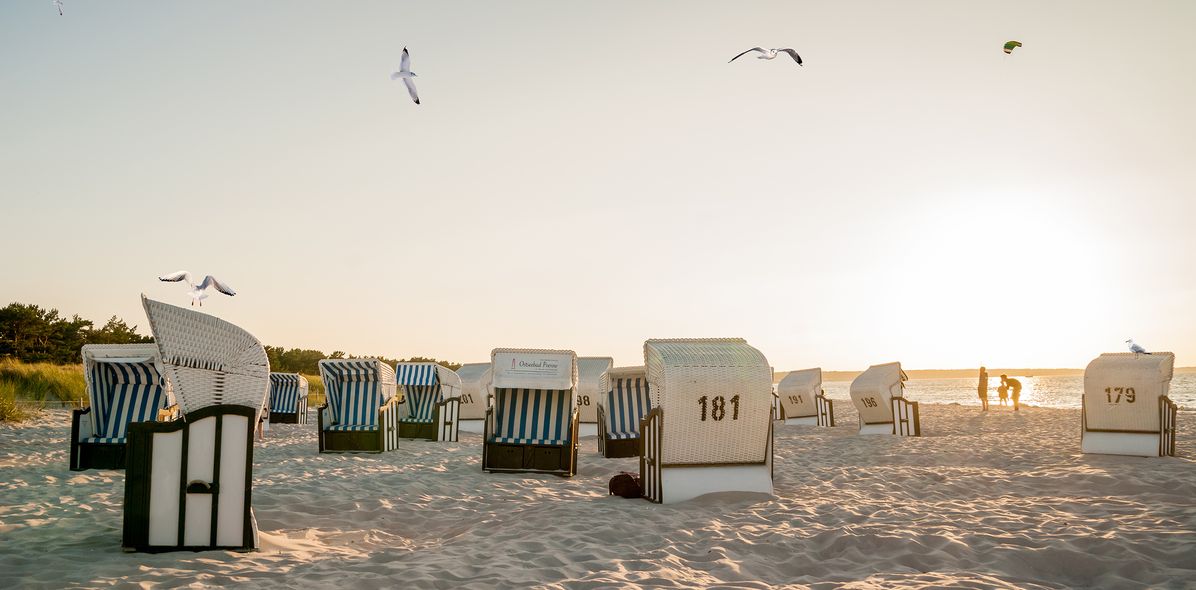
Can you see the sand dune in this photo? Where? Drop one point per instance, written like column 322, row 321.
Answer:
column 1002, row 500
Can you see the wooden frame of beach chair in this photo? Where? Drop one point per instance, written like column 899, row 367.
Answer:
column 532, row 422
column 125, row 384
column 620, row 411
column 1125, row 407
column 475, row 390
column 878, row 395
column 189, row 482
column 589, row 390
column 710, row 427
column 430, row 404
column 799, row 394
column 288, row 398
column 361, row 411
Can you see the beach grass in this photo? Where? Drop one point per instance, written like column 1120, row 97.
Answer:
column 315, row 391
column 41, row 382
column 10, row 410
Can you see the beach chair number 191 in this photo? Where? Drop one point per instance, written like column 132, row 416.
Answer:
column 1130, row 396
column 797, row 399
column 718, row 407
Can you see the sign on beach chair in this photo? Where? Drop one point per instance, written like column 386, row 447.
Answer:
column 878, row 395
column 533, row 421
column 621, row 409
column 710, row 426
column 802, row 400
column 360, row 411
column 589, row 390
column 124, row 385
column 188, row 482
column 431, row 401
column 288, row 398
column 475, row 390
column 1126, row 408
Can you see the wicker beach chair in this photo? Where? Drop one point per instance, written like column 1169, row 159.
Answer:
column 431, row 401
column 802, row 399
column 360, row 411
column 124, row 385
column 589, row 391
column 532, row 423
column 475, row 390
column 620, row 411
column 710, row 427
column 879, row 396
column 188, row 482
column 1126, row 408
column 288, row 398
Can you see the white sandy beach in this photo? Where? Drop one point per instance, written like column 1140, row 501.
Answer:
column 1000, row 500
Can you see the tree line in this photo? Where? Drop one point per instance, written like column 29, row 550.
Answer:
column 33, row 334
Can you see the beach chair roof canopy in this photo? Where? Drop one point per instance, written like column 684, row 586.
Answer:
column 426, row 374
column 880, row 379
column 589, row 373
column 615, row 373
column 803, row 381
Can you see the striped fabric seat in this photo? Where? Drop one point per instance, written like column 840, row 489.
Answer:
column 284, row 393
column 626, row 404
column 351, row 427
column 532, row 416
column 421, row 403
column 353, row 395
column 124, row 393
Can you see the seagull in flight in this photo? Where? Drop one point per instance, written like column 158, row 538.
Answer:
column 1134, row 348
column 198, row 292
column 406, row 74
column 770, row 54
column 58, row 5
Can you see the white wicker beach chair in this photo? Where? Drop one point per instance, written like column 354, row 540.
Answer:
column 360, row 411
column 431, row 401
column 589, row 390
column 189, row 482
column 475, row 390
column 124, row 385
column 879, row 397
column 802, row 399
column 621, row 409
column 288, row 398
column 710, row 427
column 1126, row 408
column 532, row 422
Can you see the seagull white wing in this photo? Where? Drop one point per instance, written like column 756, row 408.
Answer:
column 411, row 89
column 175, row 277
column 760, row 49
column 396, row 75
column 1137, row 348
column 210, row 281
column 405, row 62
column 793, row 54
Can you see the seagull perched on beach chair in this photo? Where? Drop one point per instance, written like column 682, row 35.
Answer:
column 198, row 292
column 1134, row 348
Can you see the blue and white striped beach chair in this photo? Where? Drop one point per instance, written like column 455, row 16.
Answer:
column 620, row 411
column 532, row 425
column 288, row 398
column 123, row 386
column 360, row 411
column 431, row 403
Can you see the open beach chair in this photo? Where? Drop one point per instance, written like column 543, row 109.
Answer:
column 710, row 426
column 620, row 411
column 1126, row 408
column 532, row 423
column 124, row 385
column 431, row 401
column 188, row 482
column 360, row 411
column 878, row 395
column 475, row 389
column 288, row 398
column 802, row 399
column 589, row 390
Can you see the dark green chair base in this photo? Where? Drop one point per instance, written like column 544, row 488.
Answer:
column 501, row 457
column 350, row 441
column 86, row 456
column 284, row 418
column 424, row 430
column 626, row 447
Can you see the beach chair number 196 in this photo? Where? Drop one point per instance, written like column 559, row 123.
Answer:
column 1130, row 396
column 870, row 402
column 718, row 407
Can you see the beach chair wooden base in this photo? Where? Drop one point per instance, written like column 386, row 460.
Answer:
column 288, row 418
column 420, row 430
column 85, row 455
column 508, row 458
column 880, row 428
column 1134, row 444
column 188, row 483
column 619, row 448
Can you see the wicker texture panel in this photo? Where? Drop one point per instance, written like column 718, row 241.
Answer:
column 1149, row 375
column 687, row 376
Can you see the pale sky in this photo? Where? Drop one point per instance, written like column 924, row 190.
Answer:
column 589, row 175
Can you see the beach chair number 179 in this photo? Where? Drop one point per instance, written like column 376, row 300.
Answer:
column 1130, row 396
column 718, row 407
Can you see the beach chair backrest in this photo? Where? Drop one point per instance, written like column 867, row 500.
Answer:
column 873, row 390
column 285, row 391
column 1122, row 391
column 716, row 400
column 124, row 385
column 535, row 394
column 797, row 392
column 355, row 389
column 626, row 401
column 475, row 384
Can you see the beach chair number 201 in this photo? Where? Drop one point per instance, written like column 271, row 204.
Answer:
column 870, row 402
column 1130, row 396
column 718, row 407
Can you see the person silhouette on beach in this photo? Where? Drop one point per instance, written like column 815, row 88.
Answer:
column 1003, row 391
column 1015, row 386
column 982, row 388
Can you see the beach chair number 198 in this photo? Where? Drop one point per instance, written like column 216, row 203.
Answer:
column 583, row 400
column 718, row 407
column 1130, row 396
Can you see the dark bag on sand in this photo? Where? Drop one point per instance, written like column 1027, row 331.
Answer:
column 626, row 485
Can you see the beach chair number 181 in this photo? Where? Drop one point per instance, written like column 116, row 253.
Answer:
column 1130, row 396
column 718, row 407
